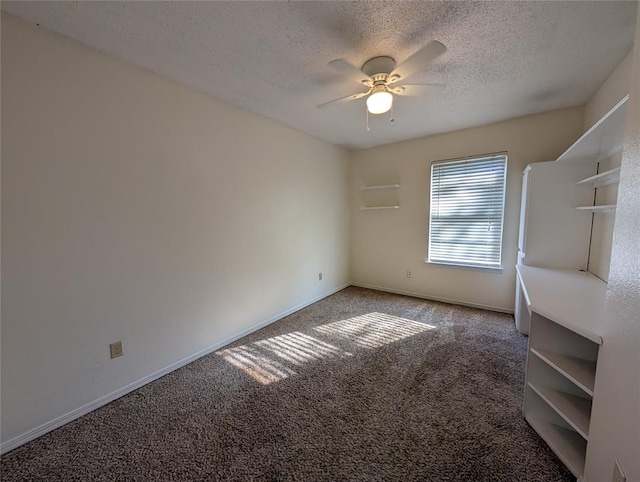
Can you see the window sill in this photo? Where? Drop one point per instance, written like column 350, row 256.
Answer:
column 466, row 266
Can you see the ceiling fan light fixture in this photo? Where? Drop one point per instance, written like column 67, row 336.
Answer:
column 379, row 102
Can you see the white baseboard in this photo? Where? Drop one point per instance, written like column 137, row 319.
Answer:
column 434, row 298
column 110, row 397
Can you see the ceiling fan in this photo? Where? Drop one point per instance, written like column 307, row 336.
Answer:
column 379, row 73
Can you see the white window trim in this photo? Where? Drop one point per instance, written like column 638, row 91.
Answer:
column 462, row 265
column 493, row 269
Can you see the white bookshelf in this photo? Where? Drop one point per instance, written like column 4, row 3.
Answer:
column 565, row 307
column 564, row 340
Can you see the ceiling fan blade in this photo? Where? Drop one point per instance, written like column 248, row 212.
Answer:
column 417, row 90
column 351, row 71
column 418, row 61
column 344, row 99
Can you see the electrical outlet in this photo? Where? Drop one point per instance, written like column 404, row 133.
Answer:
column 409, row 273
column 115, row 349
column 320, row 276
column 618, row 474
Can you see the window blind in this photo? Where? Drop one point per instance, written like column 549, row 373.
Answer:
column 467, row 211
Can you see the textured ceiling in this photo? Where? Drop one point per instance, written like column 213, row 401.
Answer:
column 505, row 59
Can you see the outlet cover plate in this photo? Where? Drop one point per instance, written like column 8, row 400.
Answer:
column 115, row 349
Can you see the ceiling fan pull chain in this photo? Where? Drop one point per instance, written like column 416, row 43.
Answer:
column 392, row 118
column 367, row 114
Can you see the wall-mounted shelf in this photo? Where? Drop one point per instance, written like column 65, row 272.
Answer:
column 380, row 196
column 367, row 208
column 602, row 140
column 603, row 179
column 381, row 186
column 597, row 209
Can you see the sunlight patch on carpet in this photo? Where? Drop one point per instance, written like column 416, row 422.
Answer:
column 273, row 359
column 374, row 329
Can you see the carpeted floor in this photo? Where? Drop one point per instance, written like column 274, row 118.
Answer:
column 362, row 385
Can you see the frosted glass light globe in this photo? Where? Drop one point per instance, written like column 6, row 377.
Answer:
column 379, row 102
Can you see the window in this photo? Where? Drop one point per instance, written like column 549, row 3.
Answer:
column 467, row 211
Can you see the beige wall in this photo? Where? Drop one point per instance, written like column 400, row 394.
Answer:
column 136, row 209
column 387, row 243
column 614, row 88
column 615, row 422
column 609, row 94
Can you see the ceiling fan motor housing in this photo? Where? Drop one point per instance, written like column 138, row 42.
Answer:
column 379, row 65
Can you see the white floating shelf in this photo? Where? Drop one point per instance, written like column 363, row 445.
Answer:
column 581, row 372
column 598, row 209
column 602, row 140
column 574, row 410
column 565, row 443
column 381, row 186
column 602, row 179
column 379, row 207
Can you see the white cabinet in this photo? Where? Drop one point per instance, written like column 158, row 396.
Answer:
column 552, row 233
column 564, row 342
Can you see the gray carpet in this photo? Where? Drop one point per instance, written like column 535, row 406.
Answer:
column 362, row 385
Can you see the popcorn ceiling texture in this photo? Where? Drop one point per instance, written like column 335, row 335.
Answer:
column 361, row 386
column 506, row 59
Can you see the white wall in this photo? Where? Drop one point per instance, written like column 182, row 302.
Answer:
column 387, row 243
column 136, row 209
column 613, row 89
column 615, row 422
